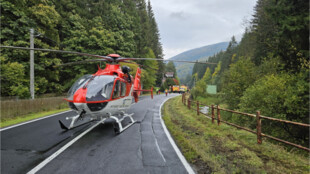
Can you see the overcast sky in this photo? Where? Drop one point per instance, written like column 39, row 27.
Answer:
column 188, row 24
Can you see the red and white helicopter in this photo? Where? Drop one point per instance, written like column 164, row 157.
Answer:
column 106, row 94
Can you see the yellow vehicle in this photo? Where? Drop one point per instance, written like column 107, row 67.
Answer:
column 175, row 88
column 183, row 88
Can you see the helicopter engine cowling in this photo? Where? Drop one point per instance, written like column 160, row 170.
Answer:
column 126, row 69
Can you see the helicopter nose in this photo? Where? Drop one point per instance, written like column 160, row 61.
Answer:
column 80, row 96
column 80, row 106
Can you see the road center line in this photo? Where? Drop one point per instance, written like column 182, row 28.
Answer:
column 54, row 155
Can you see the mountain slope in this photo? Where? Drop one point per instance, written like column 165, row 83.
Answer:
column 200, row 54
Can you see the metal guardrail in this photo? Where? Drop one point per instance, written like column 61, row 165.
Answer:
column 258, row 118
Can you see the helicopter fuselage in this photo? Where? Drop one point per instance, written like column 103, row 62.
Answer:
column 112, row 107
column 107, row 92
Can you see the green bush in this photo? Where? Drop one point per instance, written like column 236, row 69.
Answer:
column 237, row 79
column 284, row 96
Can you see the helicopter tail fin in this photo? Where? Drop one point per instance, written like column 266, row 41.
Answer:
column 137, row 86
column 137, row 82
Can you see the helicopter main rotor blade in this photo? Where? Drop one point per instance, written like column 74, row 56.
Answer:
column 110, row 59
column 60, row 51
column 81, row 62
column 140, row 65
column 157, row 59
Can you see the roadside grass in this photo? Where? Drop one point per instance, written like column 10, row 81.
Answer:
column 11, row 109
column 224, row 149
column 20, row 119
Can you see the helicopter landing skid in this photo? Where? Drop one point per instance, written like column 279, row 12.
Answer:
column 73, row 121
column 118, row 128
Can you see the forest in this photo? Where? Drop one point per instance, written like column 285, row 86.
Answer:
column 268, row 70
column 102, row 27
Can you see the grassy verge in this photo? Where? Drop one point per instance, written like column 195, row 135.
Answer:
column 224, row 149
column 28, row 117
column 10, row 109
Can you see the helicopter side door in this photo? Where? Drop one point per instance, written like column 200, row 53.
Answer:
column 116, row 90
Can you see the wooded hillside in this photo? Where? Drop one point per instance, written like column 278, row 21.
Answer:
column 125, row 27
column 197, row 54
column 267, row 71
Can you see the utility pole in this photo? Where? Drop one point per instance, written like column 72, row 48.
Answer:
column 32, row 63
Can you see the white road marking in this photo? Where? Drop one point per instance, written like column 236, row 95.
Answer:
column 58, row 152
column 16, row 125
column 175, row 147
column 159, row 150
column 54, row 155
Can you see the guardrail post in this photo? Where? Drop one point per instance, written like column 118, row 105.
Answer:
column 218, row 115
column 197, row 107
column 258, row 128
column 212, row 108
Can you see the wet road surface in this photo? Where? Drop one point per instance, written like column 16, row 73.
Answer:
column 142, row 148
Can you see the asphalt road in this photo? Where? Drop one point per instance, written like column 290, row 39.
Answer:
column 142, row 148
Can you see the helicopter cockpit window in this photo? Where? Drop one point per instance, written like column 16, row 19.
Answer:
column 116, row 91
column 78, row 84
column 123, row 89
column 100, row 88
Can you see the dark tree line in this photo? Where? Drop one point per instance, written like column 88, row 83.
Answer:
column 125, row 27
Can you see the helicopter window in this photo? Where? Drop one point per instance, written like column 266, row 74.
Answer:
column 116, row 90
column 107, row 90
column 123, row 89
column 100, row 88
column 79, row 83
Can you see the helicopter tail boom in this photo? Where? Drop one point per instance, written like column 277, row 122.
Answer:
column 136, row 96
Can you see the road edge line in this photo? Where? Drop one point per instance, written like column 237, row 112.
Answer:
column 175, row 147
column 30, row 121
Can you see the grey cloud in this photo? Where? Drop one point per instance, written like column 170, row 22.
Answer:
column 184, row 24
column 179, row 15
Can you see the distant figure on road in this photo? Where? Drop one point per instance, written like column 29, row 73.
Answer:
column 166, row 92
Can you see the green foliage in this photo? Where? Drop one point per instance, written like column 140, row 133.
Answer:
column 281, row 27
column 12, row 79
column 46, row 17
column 201, row 85
column 215, row 75
column 149, row 72
column 237, row 79
column 284, row 96
column 169, row 82
column 99, row 27
column 171, row 68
